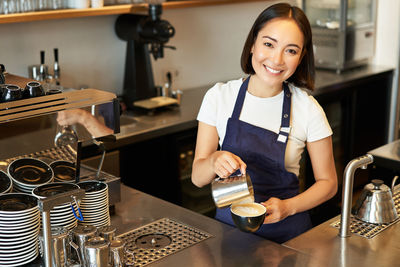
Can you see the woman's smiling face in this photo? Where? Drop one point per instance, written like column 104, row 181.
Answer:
column 277, row 51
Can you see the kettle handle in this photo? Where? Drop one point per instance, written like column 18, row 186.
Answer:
column 394, row 182
column 365, row 193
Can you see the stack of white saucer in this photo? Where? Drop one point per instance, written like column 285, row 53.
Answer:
column 19, row 229
column 29, row 173
column 61, row 215
column 95, row 206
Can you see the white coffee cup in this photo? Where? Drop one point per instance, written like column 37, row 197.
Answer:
column 79, row 3
column 97, row 3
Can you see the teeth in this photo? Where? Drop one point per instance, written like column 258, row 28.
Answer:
column 272, row 70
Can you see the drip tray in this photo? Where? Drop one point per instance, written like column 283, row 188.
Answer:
column 159, row 239
column 370, row 230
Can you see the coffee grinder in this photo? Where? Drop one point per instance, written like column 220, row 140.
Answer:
column 144, row 34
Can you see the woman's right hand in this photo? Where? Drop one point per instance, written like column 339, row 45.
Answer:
column 226, row 163
column 70, row 117
column 209, row 161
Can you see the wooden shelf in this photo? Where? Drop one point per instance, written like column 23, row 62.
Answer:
column 108, row 10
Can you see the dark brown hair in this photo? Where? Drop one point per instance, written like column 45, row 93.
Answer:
column 305, row 73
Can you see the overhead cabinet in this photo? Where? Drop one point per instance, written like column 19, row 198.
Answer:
column 108, row 10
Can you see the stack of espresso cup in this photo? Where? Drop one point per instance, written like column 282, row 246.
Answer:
column 12, row 92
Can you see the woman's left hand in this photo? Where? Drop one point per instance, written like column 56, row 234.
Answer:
column 277, row 210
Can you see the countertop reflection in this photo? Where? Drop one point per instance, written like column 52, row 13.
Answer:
column 227, row 247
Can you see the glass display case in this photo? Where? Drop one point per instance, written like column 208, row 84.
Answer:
column 343, row 32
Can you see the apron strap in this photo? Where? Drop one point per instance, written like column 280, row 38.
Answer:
column 240, row 99
column 285, row 121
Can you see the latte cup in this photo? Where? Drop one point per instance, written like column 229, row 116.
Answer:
column 248, row 217
column 53, row 91
column 11, row 92
column 33, row 89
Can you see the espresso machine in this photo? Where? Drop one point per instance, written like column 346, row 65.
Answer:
column 30, row 133
column 29, row 128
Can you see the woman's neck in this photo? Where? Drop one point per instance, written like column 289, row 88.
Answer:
column 258, row 88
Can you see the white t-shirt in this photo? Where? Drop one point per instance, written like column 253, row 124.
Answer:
column 307, row 119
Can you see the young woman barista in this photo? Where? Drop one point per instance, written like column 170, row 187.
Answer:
column 264, row 122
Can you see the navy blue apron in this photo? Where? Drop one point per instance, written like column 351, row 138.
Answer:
column 264, row 153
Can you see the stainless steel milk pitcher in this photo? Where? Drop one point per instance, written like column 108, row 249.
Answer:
column 226, row 191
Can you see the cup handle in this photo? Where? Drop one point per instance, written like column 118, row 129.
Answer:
column 80, row 217
column 394, row 183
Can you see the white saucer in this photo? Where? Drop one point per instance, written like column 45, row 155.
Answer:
column 5, row 233
column 30, row 256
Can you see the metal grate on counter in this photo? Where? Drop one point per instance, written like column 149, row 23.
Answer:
column 159, row 239
column 370, row 230
column 67, row 153
column 56, row 153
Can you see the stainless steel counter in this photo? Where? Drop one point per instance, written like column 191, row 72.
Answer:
column 328, row 81
column 140, row 126
column 320, row 246
column 324, row 244
column 387, row 156
column 227, row 247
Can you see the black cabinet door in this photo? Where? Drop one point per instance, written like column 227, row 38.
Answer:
column 152, row 167
column 359, row 117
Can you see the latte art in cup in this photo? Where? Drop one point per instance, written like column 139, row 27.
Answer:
column 248, row 209
column 248, row 217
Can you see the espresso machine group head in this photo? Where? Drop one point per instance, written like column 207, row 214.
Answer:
column 141, row 33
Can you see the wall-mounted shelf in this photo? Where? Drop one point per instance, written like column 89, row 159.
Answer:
column 38, row 106
column 108, row 10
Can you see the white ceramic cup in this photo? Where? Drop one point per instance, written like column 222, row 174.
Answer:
column 79, row 3
column 97, row 3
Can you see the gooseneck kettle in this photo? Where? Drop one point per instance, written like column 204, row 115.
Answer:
column 376, row 204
